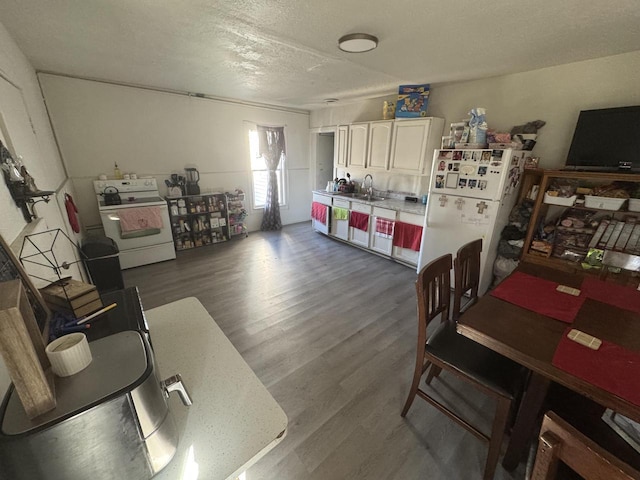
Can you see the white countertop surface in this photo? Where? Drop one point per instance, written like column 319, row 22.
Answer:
column 390, row 203
column 234, row 420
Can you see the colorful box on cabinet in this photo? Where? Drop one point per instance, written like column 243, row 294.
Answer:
column 412, row 101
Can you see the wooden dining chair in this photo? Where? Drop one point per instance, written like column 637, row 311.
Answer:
column 446, row 350
column 466, row 269
column 559, row 441
column 466, row 274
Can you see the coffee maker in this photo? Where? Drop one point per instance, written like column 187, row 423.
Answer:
column 193, row 177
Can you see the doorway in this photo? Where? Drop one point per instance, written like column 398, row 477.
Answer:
column 324, row 160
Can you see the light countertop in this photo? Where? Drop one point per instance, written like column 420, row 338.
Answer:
column 234, row 420
column 390, row 203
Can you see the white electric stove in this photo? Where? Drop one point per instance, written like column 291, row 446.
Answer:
column 139, row 247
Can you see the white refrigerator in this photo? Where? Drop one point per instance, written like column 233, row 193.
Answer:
column 471, row 194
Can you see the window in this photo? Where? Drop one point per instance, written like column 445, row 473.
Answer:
column 260, row 174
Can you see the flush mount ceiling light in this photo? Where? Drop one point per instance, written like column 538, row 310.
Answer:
column 357, row 43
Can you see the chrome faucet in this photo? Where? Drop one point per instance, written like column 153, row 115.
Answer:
column 370, row 189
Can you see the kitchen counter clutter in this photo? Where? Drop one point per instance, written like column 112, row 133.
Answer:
column 386, row 226
column 391, row 203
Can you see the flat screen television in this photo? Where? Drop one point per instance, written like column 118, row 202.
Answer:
column 606, row 140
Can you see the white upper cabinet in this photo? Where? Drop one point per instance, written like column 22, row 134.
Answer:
column 404, row 146
column 357, row 146
column 379, row 145
column 413, row 143
column 340, row 148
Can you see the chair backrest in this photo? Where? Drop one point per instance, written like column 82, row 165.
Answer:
column 466, row 269
column 434, row 292
column 560, row 441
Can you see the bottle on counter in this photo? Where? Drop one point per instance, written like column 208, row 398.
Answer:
column 116, row 172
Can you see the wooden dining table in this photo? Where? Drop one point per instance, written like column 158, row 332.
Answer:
column 531, row 339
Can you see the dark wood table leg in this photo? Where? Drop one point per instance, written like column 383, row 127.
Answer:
column 530, row 406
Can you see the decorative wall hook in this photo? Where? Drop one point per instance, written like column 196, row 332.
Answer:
column 21, row 184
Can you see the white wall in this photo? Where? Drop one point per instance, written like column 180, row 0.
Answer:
column 156, row 134
column 25, row 129
column 24, row 126
column 555, row 94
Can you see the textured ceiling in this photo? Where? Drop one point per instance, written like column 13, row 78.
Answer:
column 284, row 52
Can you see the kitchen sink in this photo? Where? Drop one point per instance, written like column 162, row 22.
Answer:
column 361, row 196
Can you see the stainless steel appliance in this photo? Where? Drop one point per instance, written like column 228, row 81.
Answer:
column 141, row 247
column 111, row 421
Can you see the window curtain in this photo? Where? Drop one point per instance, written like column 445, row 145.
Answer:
column 272, row 149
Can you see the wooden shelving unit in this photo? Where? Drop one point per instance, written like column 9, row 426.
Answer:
column 199, row 220
column 237, row 214
column 576, row 242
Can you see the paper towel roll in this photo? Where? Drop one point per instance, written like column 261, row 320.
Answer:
column 69, row 354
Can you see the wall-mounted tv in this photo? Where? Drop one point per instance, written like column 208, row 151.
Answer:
column 606, row 140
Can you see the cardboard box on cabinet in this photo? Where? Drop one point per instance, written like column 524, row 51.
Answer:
column 412, row 101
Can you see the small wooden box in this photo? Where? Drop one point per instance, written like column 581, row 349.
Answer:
column 72, row 296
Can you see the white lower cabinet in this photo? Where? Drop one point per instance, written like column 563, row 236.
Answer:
column 381, row 242
column 340, row 227
column 357, row 236
column 408, row 255
column 377, row 242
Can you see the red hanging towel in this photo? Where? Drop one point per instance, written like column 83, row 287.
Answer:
column 319, row 212
column 406, row 235
column 72, row 213
column 384, row 227
column 359, row 220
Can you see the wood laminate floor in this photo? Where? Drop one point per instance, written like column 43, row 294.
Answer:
column 331, row 331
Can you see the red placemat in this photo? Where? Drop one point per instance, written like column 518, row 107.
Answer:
column 611, row 367
column 612, row 294
column 539, row 295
